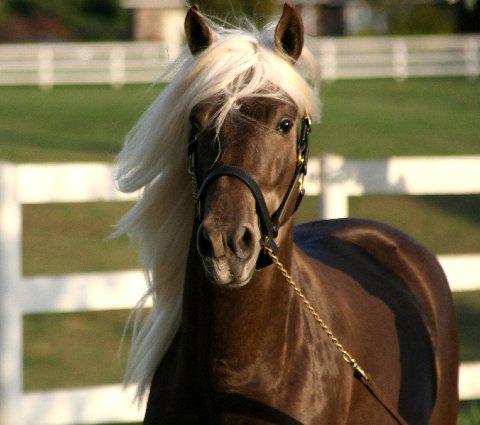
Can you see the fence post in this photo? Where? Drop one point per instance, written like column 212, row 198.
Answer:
column 471, row 58
column 45, row 68
column 117, row 67
column 11, row 335
column 329, row 60
column 400, row 59
column 333, row 197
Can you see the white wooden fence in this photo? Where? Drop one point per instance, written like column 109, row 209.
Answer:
column 346, row 57
column 50, row 64
column 398, row 57
column 25, row 184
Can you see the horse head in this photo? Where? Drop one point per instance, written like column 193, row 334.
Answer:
column 248, row 165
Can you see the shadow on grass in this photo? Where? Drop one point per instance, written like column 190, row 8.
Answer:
column 467, row 206
column 467, row 305
column 469, row 412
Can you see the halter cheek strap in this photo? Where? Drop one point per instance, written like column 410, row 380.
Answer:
column 295, row 190
column 269, row 226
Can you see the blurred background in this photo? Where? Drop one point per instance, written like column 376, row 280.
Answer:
column 401, row 78
column 74, row 20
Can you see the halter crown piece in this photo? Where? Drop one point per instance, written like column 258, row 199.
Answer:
column 269, row 225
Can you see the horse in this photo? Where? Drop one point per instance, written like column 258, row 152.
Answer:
column 256, row 320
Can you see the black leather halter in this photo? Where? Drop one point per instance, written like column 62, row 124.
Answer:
column 269, row 225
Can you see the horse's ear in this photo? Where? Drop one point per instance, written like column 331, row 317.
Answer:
column 289, row 32
column 199, row 36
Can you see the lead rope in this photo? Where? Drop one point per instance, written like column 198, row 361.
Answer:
column 358, row 372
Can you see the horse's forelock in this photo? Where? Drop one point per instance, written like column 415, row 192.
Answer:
column 239, row 66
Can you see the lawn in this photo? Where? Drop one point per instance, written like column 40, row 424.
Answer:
column 378, row 118
column 381, row 118
column 85, row 123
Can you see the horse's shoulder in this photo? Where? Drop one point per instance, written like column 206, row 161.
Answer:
column 385, row 243
column 361, row 232
column 395, row 250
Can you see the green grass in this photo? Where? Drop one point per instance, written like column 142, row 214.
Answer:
column 77, row 236
column 468, row 316
column 68, row 123
column 377, row 118
column 362, row 119
column 73, row 350
column 381, row 118
column 469, row 412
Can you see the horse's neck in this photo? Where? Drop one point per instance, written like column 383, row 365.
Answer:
column 261, row 303
column 238, row 326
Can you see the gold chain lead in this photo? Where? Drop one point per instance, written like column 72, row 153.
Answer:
column 308, row 305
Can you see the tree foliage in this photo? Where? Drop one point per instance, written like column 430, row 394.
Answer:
column 435, row 17
column 88, row 19
column 421, row 19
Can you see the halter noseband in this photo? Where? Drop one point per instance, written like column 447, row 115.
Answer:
column 269, row 225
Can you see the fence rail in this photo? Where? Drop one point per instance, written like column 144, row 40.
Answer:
column 47, row 65
column 398, row 57
column 347, row 57
column 24, row 184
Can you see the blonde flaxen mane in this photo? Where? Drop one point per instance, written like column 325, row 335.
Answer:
column 154, row 160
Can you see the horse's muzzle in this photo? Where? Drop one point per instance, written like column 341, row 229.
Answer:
column 229, row 253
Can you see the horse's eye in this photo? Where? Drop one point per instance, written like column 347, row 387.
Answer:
column 285, row 126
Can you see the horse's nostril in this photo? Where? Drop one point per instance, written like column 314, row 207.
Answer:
column 244, row 242
column 247, row 237
column 238, row 240
column 204, row 244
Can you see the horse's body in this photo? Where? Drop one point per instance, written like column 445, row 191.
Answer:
column 255, row 355
column 245, row 350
